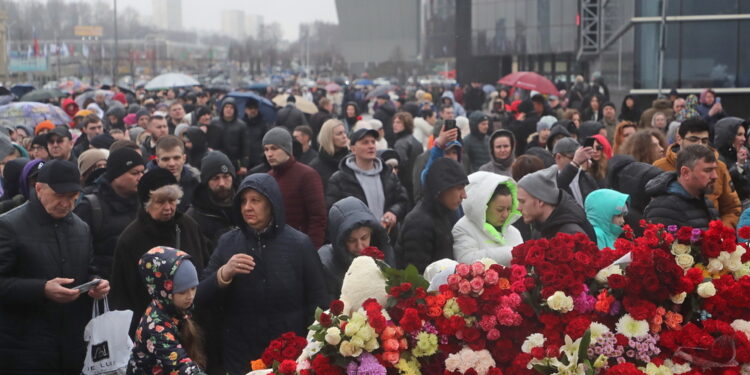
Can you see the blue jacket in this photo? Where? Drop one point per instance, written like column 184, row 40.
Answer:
column 601, row 206
column 279, row 295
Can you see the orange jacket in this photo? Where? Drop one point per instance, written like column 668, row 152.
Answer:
column 724, row 197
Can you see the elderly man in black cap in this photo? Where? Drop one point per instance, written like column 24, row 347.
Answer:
column 212, row 204
column 60, row 144
column 112, row 205
column 157, row 223
column 45, row 251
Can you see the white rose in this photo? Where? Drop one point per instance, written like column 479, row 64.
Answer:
column 707, row 289
column 684, row 260
column 534, row 340
column 333, row 336
column 678, row 298
column 678, row 248
column 714, row 265
column 733, row 265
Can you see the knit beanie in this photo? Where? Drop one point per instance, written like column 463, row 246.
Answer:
column 542, row 185
column 213, row 163
column 90, row 157
column 185, row 277
column 121, row 161
column 545, row 122
column 44, row 125
column 102, row 141
column 152, row 180
column 280, row 137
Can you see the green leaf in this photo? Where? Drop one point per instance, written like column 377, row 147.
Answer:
column 585, row 342
column 318, row 311
column 543, row 370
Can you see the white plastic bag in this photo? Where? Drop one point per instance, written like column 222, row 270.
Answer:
column 108, row 344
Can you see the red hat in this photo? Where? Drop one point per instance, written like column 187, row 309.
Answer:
column 44, row 125
column 120, row 97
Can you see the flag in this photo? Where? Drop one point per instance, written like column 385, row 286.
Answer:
column 46, row 50
column 53, row 50
column 65, row 51
column 36, row 42
column 29, row 52
column 85, row 50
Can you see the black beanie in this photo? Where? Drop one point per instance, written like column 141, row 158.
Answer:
column 153, row 180
column 213, row 163
column 121, row 161
column 102, row 141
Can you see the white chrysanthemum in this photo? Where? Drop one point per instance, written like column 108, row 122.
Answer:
column 534, row 340
column 604, row 273
column 630, row 327
column 706, row 289
column 597, row 330
column 678, row 299
column 652, row 369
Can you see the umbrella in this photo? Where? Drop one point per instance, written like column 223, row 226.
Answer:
column 171, row 80
column 333, row 87
column 21, row 89
column 266, row 107
column 529, row 81
column 363, row 82
column 4, row 91
column 303, row 104
column 488, row 89
column 380, row 90
column 41, row 95
column 72, row 85
column 257, row 86
column 31, row 113
column 83, row 97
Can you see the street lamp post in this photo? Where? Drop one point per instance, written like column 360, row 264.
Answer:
column 115, row 55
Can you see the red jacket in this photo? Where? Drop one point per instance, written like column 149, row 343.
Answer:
column 304, row 202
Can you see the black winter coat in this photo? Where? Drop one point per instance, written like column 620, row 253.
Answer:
column 672, row 205
column 128, row 289
column 290, row 117
column 568, row 217
column 426, row 232
column 279, row 295
column 317, row 120
column 256, row 129
column 235, row 141
column 628, row 176
column 38, row 336
column 385, row 113
column 345, row 184
column 212, row 219
column 116, row 214
column 408, row 149
column 326, row 165
column 189, row 181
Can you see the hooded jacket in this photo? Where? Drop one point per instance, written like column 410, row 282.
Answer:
column 189, row 181
column 304, row 201
column 723, row 196
column 344, row 184
column 38, row 336
column 601, row 206
column 213, row 220
column 349, row 121
column 70, row 111
column 457, row 107
column 567, row 217
column 630, row 177
column 200, row 146
column 672, row 205
column 235, row 140
column 724, row 132
column 408, row 149
column 475, row 238
column 500, row 166
column 119, row 112
column 157, row 345
column 256, row 129
column 426, row 233
column 345, row 216
column 558, row 130
column 279, row 295
column 476, row 144
column 144, row 233
column 326, row 165
column 290, row 117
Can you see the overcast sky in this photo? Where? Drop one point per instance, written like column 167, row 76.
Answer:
column 204, row 14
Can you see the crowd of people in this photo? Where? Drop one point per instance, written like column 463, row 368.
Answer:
column 221, row 229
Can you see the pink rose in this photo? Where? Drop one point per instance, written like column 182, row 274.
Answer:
column 453, row 279
column 511, row 300
column 390, row 345
column 491, row 277
column 463, row 269
column 391, row 357
column 464, row 287
column 493, row 334
column 477, row 269
column 488, row 322
column 477, row 284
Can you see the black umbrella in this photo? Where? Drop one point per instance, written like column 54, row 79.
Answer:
column 42, row 95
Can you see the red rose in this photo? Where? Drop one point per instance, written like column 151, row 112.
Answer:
column 325, row 320
column 372, row 251
column 537, row 352
column 337, row 307
column 468, row 305
column 410, row 321
column 288, row 366
column 471, row 334
column 617, row 281
column 577, row 327
column 624, row 369
column 290, row 352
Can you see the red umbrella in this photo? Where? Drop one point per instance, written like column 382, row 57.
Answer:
column 529, row 81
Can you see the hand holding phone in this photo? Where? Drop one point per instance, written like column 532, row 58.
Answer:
column 85, row 287
column 450, row 124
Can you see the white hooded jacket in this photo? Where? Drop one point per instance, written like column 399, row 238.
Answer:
column 473, row 236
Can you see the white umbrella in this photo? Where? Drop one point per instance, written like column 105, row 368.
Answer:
column 171, row 80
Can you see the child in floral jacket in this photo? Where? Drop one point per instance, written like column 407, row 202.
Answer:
column 166, row 341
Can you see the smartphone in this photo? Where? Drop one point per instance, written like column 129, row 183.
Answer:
column 85, row 287
column 589, row 142
column 450, row 124
column 718, row 99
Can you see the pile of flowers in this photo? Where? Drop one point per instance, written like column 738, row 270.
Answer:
column 672, row 301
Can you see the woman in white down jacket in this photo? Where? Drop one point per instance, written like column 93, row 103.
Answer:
column 485, row 231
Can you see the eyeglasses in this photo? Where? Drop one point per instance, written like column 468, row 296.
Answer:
column 599, row 148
